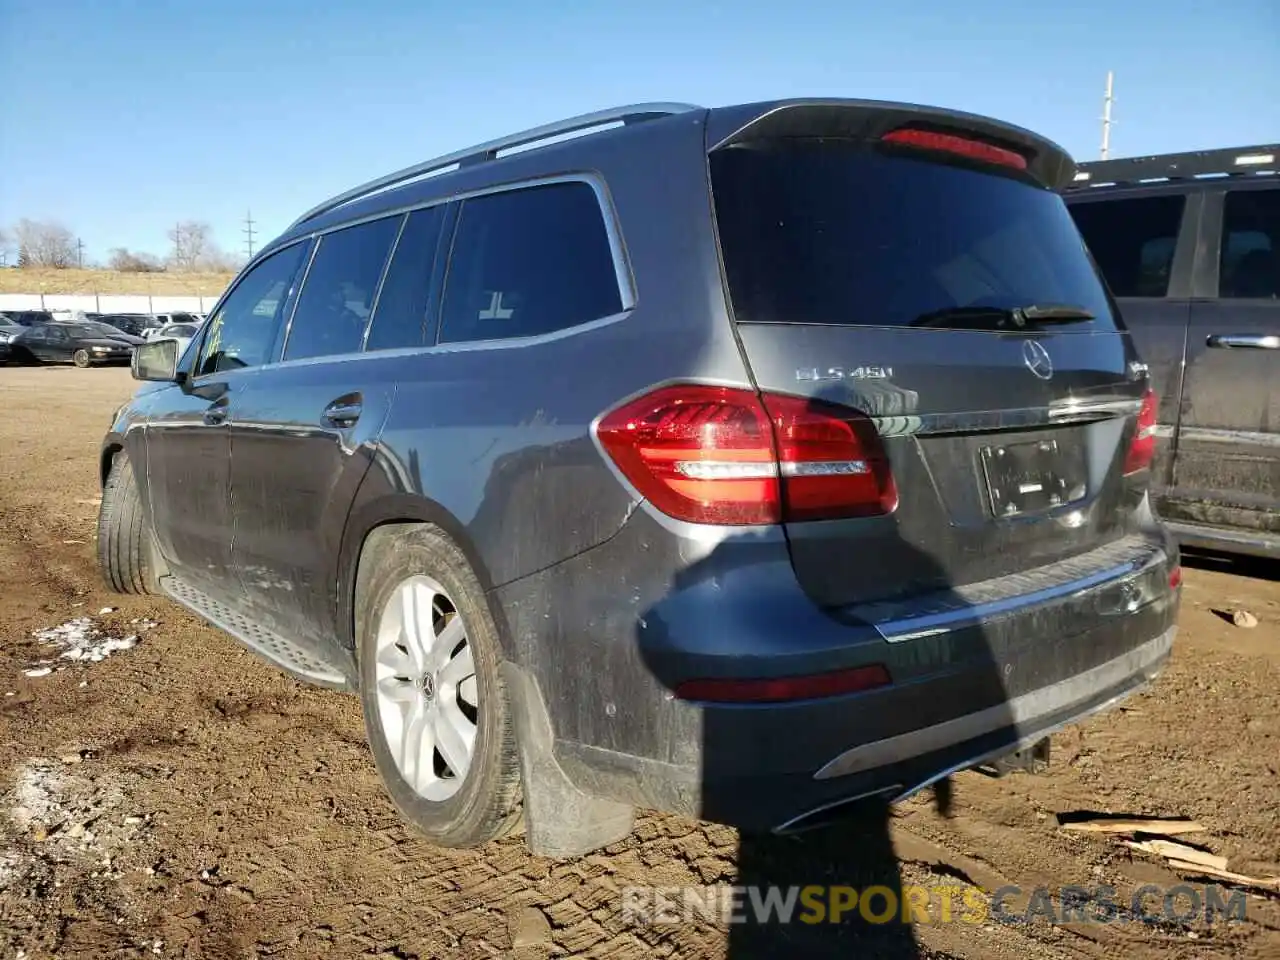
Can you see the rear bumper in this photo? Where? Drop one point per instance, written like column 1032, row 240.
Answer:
column 981, row 672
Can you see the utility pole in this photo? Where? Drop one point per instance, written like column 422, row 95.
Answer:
column 79, row 253
column 248, row 232
column 1106, row 117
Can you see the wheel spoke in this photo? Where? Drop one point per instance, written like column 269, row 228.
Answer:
column 416, row 746
column 455, row 737
column 448, row 638
column 414, row 609
column 458, row 668
column 469, row 693
column 397, row 690
column 395, row 660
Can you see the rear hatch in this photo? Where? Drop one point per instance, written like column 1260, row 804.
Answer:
column 930, row 286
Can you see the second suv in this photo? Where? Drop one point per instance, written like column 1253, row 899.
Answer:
column 1190, row 245
column 740, row 462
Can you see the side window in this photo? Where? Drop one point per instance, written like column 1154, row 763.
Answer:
column 243, row 330
column 1250, row 261
column 337, row 295
column 1133, row 241
column 402, row 306
column 528, row 262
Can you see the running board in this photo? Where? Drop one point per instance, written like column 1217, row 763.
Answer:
column 285, row 654
column 1254, row 543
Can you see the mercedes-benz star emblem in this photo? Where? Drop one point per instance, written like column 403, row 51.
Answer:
column 1036, row 357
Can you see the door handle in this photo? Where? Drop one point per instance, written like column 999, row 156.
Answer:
column 216, row 414
column 343, row 412
column 1244, row 341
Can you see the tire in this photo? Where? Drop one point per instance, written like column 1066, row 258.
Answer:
column 483, row 804
column 124, row 539
column 80, row 358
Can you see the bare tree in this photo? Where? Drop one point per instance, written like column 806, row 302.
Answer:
column 191, row 241
column 129, row 261
column 7, row 250
column 42, row 244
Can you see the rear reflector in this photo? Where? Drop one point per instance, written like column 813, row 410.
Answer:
column 960, row 146
column 725, row 455
column 776, row 689
column 1175, row 577
column 1143, row 449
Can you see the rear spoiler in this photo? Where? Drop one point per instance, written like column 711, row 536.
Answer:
column 1048, row 163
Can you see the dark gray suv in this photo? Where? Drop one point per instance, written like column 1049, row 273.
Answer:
column 742, row 463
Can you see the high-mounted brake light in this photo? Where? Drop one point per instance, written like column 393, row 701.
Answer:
column 725, row 455
column 961, row 146
column 1143, row 448
column 775, row 689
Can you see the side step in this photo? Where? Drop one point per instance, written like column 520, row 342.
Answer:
column 1254, row 543
column 285, row 654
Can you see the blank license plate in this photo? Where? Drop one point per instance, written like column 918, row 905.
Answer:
column 1033, row 476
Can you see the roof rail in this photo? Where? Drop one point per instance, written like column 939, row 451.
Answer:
column 1230, row 162
column 489, row 151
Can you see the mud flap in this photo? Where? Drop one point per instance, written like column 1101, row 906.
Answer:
column 560, row 820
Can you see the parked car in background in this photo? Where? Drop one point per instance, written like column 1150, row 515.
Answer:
column 169, row 319
column 110, row 332
column 8, row 330
column 28, row 317
column 1190, row 246
column 134, row 324
column 76, row 343
column 182, row 332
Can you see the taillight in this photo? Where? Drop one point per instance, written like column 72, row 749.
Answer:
column 724, row 455
column 1143, row 448
column 961, row 146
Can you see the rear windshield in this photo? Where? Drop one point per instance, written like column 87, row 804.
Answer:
column 835, row 232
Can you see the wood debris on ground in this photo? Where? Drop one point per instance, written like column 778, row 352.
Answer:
column 1145, row 835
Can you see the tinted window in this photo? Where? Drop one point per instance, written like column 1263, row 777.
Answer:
column 1250, row 264
column 1133, row 241
column 243, row 330
column 528, row 262
column 337, row 295
column 836, row 232
column 402, row 306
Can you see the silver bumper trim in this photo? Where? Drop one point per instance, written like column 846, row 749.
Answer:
column 1021, row 712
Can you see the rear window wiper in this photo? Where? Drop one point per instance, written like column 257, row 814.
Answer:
column 1005, row 317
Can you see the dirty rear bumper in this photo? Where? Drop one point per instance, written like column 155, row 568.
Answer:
column 980, row 673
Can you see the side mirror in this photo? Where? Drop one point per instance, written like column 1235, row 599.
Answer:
column 156, row 360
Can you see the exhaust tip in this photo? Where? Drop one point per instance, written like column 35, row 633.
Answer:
column 834, row 812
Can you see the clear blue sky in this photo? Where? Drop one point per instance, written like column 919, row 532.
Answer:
column 118, row 117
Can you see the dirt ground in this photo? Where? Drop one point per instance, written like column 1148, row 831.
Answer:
column 40, row 280
column 182, row 798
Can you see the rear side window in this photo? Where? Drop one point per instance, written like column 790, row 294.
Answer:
column 529, row 262
column 835, row 232
column 1133, row 241
column 1250, row 259
column 400, row 318
column 337, row 296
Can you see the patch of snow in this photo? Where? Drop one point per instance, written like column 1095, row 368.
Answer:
column 80, row 639
column 38, row 672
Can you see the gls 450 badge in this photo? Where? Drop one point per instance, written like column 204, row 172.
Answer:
column 868, row 372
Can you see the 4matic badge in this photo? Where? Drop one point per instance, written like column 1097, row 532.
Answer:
column 844, row 373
